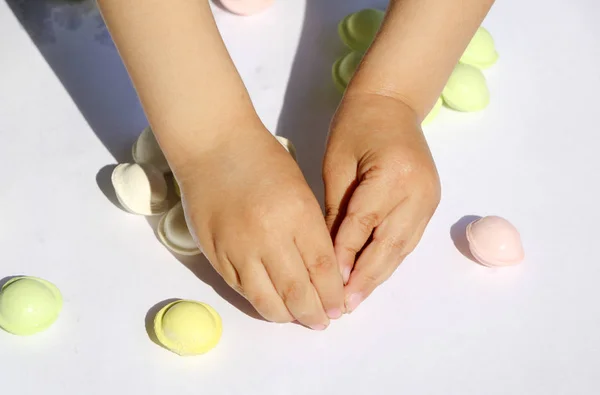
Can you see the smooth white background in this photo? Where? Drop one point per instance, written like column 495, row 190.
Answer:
column 441, row 325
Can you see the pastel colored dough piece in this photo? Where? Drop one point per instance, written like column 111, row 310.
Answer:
column 466, row 89
column 344, row 68
column 358, row 30
column 187, row 327
column 140, row 189
column 146, row 151
column 246, row 7
column 495, row 242
column 481, row 51
column 174, row 232
column 29, row 305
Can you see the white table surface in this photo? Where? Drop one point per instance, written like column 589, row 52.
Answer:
column 441, row 325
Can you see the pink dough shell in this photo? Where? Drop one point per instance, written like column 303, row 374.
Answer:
column 494, row 242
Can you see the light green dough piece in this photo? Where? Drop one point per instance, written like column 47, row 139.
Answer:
column 187, row 327
column 434, row 112
column 466, row 89
column 481, row 51
column 358, row 29
column 28, row 305
column 344, row 68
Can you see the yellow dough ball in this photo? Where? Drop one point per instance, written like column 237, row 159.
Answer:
column 187, row 327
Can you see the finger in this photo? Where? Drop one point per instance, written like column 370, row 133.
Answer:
column 392, row 242
column 339, row 182
column 371, row 202
column 316, row 250
column 227, row 271
column 257, row 288
column 292, row 282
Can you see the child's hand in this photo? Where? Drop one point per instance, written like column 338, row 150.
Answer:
column 261, row 227
column 381, row 189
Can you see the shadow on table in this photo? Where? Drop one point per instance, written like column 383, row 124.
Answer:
column 458, row 234
column 75, row 42
column 311, row 97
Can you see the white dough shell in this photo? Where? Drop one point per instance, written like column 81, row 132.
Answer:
column 146, row 151
column 174, row 233
column 141, row 189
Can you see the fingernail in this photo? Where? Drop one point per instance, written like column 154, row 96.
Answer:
column 334, row 313
column 318, row 327
column 353, row 301
column 346, row 274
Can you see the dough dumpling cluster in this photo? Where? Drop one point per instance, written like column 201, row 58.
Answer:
column 466, row 89
column 147, row 187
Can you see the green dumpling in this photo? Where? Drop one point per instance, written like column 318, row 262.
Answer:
column 29, row 305
column 358, row 29
column 481, row 51
column 466, row 89
column 344, row 68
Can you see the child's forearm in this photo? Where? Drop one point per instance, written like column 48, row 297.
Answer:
column 417, row 48
column 186, row 81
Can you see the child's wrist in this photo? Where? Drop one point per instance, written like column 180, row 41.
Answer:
column 185, row 142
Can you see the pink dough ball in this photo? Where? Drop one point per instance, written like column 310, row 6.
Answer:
column 494, row 242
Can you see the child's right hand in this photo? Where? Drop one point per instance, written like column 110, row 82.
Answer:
column 257, row 221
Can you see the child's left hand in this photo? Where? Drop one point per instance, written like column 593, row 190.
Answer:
column 381, row 189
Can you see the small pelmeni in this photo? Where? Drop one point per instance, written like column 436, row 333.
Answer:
column 358, row 30
column 146, row 151
column 481, row 51
column 174, row 233
column 141, row 189
column 495, row 242
column 287, row 144
column 344, row 68
column 29, row 305
column 188, row 327
column 466, row 89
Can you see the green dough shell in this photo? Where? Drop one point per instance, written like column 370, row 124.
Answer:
column 358, row 29
column 344, row 68
column 29, row 305
column 481, row 51
column 466, row 89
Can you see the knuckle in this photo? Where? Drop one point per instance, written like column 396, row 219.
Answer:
column 268, row 307
column 293, row 292
column 260, row 301
column 370, row 280
column 351, row 250
column 394, row 243
column 367, row 222
column 323, row 264
column 331, row 211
